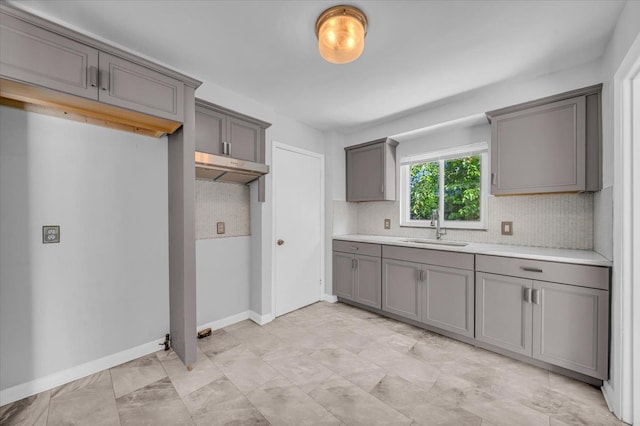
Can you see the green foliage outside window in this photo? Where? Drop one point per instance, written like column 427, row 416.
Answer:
column 461, row 189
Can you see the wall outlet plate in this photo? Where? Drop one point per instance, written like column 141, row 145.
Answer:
column 507, row 228
column 387, row 224
column 220, row 227
column 50, row 234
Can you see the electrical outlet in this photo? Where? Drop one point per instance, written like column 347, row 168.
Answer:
column 507, row 228
column 220, row 227
column 387, row 224
column 50, row 234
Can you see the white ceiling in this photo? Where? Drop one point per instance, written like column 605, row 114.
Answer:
column 416, row 52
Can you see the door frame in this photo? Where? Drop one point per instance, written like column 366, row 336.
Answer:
column 622, row 390
column 279, row 145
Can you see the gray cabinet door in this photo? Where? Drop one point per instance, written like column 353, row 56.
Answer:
column 540, row 149
column 365, row 173
column 128, row 85
column 448, row 299
column 570, row 327
column 503, row 317
column 33, row 55
column 244, row 139
column 367, row 281
column 343, row 274
column 211, row 129
column 402, row 289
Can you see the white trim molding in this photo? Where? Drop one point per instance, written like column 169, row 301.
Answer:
column 225, row 322
column 622, row 390
column 329, row 298
column 51, row 381
column 261, row 319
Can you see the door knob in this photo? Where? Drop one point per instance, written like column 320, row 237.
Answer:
column 280, row 242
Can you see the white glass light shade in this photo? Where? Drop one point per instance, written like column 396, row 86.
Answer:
column 341, row 31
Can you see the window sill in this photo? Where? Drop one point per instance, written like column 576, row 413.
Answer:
column 446, row 227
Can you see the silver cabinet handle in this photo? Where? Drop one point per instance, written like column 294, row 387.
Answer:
column 419, row 274
column 228, row 148
column 354, row 248
column 353, row 264
column 527, row 295
column 382, row 188
column 536, row 297
column 104, row 80
column 493, row 178
column 93, row 76
column 280, row 242
column 529, row 269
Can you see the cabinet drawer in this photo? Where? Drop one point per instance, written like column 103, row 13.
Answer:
column 430, row 257
column 357, row 248
column 566, row 273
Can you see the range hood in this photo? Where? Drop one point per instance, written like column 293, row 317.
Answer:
column 225, row 169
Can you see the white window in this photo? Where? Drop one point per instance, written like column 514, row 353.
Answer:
column 453, row 181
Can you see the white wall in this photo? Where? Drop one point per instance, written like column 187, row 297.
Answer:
column 476, row 103
column 105, row 288
column 222, row 278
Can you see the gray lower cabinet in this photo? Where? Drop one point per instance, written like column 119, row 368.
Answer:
column 371, row 171
column 503, row 317
column 570, row 327
column 402, row 289
column 562, row 324
column 343, row 275
column 357, row 272
column 220, row 131
column 435, row 295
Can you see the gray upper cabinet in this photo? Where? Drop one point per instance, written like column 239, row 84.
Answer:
column 131, row 86
column 244, row 139
column 211, row 130
column 548, row 145
column 371, row 171
column 356, row 272
column 434, row 294
column 221, row 131
column 562, row 324
column 36, row 56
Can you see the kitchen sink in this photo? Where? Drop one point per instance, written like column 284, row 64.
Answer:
column 436, row 242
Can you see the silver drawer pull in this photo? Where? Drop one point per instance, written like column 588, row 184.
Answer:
column 528, row 269
column 354, row 248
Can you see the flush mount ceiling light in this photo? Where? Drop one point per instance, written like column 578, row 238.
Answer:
column 341, row 31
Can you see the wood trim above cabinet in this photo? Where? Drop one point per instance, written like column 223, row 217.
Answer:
column 51, row 102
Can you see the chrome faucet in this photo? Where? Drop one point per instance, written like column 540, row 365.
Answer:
column 435, row 221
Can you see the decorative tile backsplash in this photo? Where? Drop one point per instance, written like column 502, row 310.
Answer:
column 221, row 202
column 549, row 220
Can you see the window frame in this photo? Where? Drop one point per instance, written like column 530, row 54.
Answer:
column 441, row 156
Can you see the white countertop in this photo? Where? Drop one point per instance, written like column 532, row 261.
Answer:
column 581, row 257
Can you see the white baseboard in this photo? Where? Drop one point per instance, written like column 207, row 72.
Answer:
column 261, row 319
column 329, row 298
column 51, row 381
column 225, row 322
column 42, row 384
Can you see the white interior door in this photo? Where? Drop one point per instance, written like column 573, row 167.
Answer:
column 298, row 227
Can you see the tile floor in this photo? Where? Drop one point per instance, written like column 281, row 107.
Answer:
column 326, row 364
